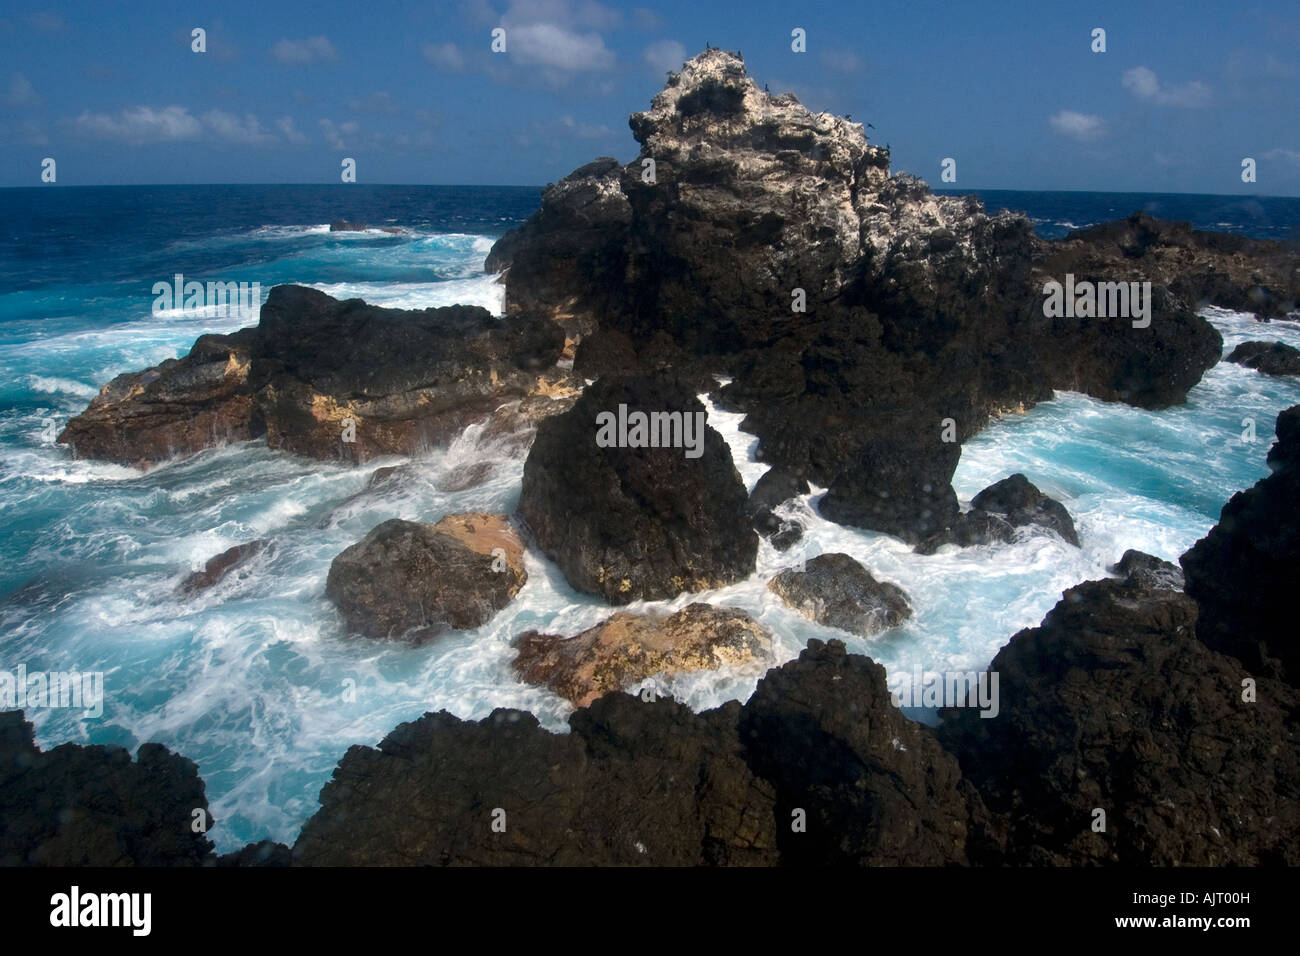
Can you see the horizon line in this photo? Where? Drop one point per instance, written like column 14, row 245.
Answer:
column 936, row 189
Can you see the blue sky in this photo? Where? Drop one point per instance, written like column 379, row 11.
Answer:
column 412, row 91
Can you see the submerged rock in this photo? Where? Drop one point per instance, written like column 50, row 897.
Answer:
column 1139, row 569
column 774, row 488
column 223, row 564
column 837, row 591
column 970, row 529
column 1021, row 503
column 415, row 581
column 637, row 523
column 1271, row 358
column 345, row 225
column 628, row 648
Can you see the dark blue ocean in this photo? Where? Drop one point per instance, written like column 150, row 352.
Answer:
column 253, row 679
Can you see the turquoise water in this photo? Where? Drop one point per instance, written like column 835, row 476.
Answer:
column 256, row 681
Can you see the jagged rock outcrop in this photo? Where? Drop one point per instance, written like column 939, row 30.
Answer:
column 634, row 783
column 627, row 648
column 549, row 256
column 859, row 316
column 837, row 591
column 1113, row 704
column 1242, row 572
column 1271, row 358
column 404, row 379
column 1202, row 268
column 412, row 580
column 637, row 523
column 653, row 783
column 875, row 787
column 177, row 408
column 95, row 806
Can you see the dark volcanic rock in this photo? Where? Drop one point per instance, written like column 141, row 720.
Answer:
column 581, row 223
column 1140, row 569
column 1113, row 704
column 837, row 591
column 1241, row 573
column 94, row 806
column 634, row 783
column 782, row 533
column 1271, row 358
column 974, row 527
column 902, row 488
column 417, row 580
column 405, row 379
column 177, row 408
column 627, row 648
column 636, row 523
column 774, row 488
column 876, row 787
column 654, row 783
column 921, row 313
column 345, row 225
column 1202, row 268
column 1023, row 504
column 217, row 568
column 264, row 853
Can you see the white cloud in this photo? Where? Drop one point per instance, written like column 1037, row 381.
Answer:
column 33, row 135
column 842, row 61
column 665, row 55
column 379, row 103
column 1080, row 126
column 289, row 131
column 548, row 45
column 20, row 92
column 245, row 130
column 585, row 130
column 647, row 19
column 337, row 135
column 1291, row 156
column 348, row 136
column 1145, row 85
column 140, row 124
column 571, row 14
column 445, row 56
column 316, row 49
